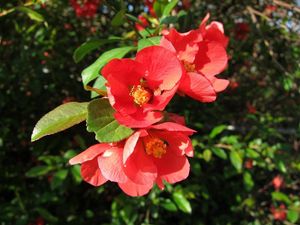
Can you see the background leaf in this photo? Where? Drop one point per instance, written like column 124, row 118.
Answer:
column 182, row 203
column 93, row 71
column 89, row 46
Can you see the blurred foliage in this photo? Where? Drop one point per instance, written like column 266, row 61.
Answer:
column 248, row 137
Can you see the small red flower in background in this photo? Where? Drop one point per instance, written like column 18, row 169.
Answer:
column 241, row 31
column 270, row 9
column 202, row 53
column 149, row 4
column 38, row 221
column 233, row 85
column 143, row 23
column 85, row 8
column 139, row 89
column 277, row 182
column 147, row 157
column 248, row 164
column 68, row 26
column 279, row 213
column 251, row 108
column 186, row 4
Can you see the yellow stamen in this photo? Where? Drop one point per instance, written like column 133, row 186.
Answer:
column 140, row 94
column 189, row 67
column 155, row 146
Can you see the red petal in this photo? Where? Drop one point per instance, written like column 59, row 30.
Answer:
column 184, row 43
column 111, row 165
column 139, row 167
column 139, row 120
column 172, row 168
column 133, row 189
column 119, row 96
column 159, row 102
column 176, row 118
column 198, row 87
column 169, row 126
column 202, row 26
column 215, row 32
column 91, row 173
column 127, row 71
column 167, row 44
column 219, row 84
column 89, row 153
column 121, row 75
column 211, row 58
column 130, row 145
column 163, row 69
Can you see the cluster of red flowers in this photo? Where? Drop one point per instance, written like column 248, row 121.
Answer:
column 85, row 8
column 139, row 89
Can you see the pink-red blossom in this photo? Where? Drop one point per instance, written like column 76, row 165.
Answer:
column 202, row 53
column 150, row 156
column 139, row 89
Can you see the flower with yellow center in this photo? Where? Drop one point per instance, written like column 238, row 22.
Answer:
column 189, row 67
column 155, row 147
column 140, row 94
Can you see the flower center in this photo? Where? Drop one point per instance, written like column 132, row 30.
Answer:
column 155, row 146
column 140, row 94
column 189, row 67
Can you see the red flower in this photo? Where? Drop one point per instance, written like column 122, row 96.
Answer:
column 203, row 56
column 242, row 31
column 147, row 157
column 277, row 182
column 149, row 4
column 143, row 21
column 249, row 164
column 251, row 109
column 138, row 89
column 279, row 213
column 233, row 85
column 270, row 9
column 86, row 8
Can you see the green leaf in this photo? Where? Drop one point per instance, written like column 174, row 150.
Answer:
column 118, row 19
column 46, row 215
column 217, row 130
column 219, row 152
column 169, row 19
column 92, row 72
column 75, row 171
column 292, row 216
column 168, row 8
column 59, row 119
column 58, row 178
column 38, row 171
column 89, row 46
column 252, row 153
column 207, row 155
column 182, row 203
column 146, row 42
column 280, row 197
column 236, row 160
column 99, row 84
column 248, row 181
column 158, row 7
column 101, row 121
column 31, row 13
column 281, row 166
column 168, row 205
